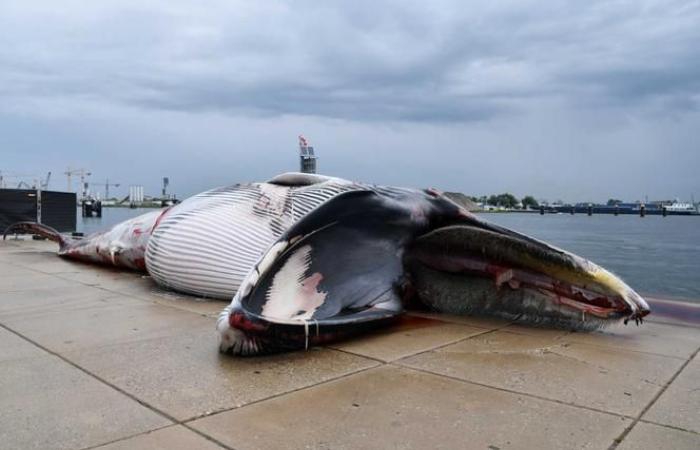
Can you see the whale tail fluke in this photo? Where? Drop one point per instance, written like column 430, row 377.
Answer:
column 38, row 229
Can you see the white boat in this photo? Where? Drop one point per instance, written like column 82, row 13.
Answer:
column 677, row 206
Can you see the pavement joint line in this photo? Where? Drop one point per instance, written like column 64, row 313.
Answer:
column 113, row 386
column 348, row 352
column 281, row 394
column 651, row 403
column 95, row 376
column 90, row 447
column 207, row 437
column 456, row 341
column 672, row 427
column 126, row 438
column 438, row 347
column 510, row 391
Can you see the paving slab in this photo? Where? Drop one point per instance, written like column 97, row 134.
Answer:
column 12, row 270
column 43, row 300
column 10, row 247
column 118, row 320
column 47, row 403
column 681, row 342
column 175, row 437
column 552, row 367
column 204, row 306
column 451, row 381
column 410, row 336
column 28, row 259
column 645, row 436
column 391, row 407
column 185, row 375
column 52, row 264
column 112, row 279
column 25, row 283
column 14, row 347
column 100, row 282
column 679, row 405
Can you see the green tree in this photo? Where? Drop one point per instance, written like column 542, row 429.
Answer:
column 529, row 202
column 509, row 200
column 506, row 200
column 614, row 201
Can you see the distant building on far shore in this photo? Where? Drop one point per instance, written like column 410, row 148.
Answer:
column 307, row 158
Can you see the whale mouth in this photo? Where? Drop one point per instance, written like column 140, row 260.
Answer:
column 351, row 265
column 467, row 269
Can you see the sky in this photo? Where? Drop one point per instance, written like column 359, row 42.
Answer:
column 577, row 100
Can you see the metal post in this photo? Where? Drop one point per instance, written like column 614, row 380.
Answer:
column 38, row 205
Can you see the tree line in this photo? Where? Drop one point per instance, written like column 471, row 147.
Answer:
column 507, row 200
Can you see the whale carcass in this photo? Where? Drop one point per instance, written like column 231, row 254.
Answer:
column 308, row 259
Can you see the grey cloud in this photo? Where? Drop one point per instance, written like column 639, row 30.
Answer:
column 567, row 99
column 435, row 62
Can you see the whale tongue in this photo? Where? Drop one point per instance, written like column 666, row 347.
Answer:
column 528, row 278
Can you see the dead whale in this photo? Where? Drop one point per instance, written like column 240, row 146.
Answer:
column 310, row 259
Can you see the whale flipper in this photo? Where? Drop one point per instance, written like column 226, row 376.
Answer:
column 336, row 272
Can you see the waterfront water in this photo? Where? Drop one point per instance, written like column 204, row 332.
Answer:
column 657, row 256
column 110, row 216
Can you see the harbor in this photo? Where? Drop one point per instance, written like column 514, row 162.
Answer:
column 117, row 338
column 343, row 225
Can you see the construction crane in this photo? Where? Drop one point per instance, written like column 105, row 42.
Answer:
column 107, row 185
column 45, row 182
column 36, row 181
column 83, row 173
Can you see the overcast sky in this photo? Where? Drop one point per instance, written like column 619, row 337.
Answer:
column 579, row 100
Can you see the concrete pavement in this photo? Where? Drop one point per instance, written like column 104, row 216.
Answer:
column 97, row 358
